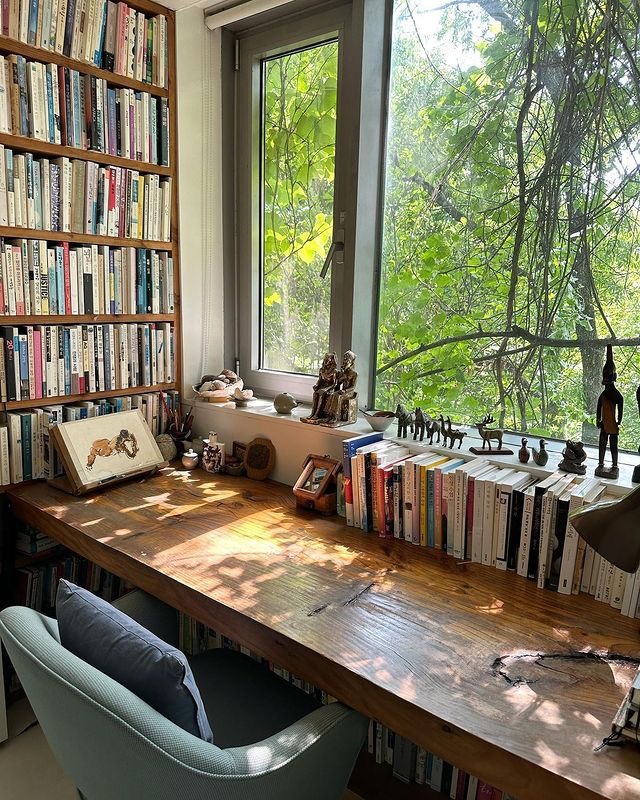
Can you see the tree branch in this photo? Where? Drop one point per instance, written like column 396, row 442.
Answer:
column 515, row 333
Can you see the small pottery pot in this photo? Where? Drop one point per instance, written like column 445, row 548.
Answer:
column 189, row 460
column 284, row 403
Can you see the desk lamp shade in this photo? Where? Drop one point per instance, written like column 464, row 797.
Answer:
column 612, row 529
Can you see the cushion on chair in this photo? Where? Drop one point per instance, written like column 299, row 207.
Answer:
column 115, row 644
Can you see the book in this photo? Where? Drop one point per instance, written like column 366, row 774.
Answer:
column 349, row 447
column 505, row 490
column 548, row 514
column 574, row 547
column 534, row 535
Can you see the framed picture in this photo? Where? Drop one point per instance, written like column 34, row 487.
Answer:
column 105, row 449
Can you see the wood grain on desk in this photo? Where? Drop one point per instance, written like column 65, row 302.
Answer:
column 476, row 665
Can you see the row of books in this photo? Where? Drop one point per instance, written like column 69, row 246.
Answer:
column 497, row 516
column 109, row 35
column 36, row 586
column 26, row 449
column 413, row 764
column 40, row 278
column 59, row 105
column 76, row 196
column 41, row 361
column 410, row 763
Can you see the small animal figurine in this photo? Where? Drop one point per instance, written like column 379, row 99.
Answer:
column 419, row 424
column 405, row 421
column 443, row 428
column 432, row 427
column 489, row 434
column 573, row 457
column 454, row 435
column 540, row 456
column 523, row 453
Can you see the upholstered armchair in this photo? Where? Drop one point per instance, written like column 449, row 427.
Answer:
column 272, row 742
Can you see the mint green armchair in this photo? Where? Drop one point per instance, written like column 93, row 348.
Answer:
column 271, row 743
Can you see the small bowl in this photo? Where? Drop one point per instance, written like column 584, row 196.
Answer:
column 379, row 420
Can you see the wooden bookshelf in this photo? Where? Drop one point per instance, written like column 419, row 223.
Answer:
column 65, row 399
column 9, row 232
column 25, row 144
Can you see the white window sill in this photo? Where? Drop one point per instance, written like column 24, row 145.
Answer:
column 294, row 440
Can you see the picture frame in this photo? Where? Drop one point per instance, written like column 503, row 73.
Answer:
column 98, row 451
column 316, row 488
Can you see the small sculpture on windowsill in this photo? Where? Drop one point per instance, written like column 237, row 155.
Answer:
column 432, row 428
column 335, row 400
column 540, row 456
column 452, row 434
column 573, row 457
column 489, row 435
column 608, row 418
column 405, row 421
column 419, row 424
column 523, row 453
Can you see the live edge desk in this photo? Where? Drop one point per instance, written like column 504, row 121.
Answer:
column 428, row 647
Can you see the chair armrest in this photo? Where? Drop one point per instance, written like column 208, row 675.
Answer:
column 335, row 725
column 152, row 613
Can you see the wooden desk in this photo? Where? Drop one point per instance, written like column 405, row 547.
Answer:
column 439, row 652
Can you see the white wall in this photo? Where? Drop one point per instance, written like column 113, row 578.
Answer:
column 199, row 165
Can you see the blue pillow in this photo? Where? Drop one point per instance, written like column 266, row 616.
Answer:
column 117, row 645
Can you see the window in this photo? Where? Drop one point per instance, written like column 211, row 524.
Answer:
column 298, row 139
column 511, row 238
column 494, row 246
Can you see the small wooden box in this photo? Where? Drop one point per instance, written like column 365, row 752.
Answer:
column 316, row 488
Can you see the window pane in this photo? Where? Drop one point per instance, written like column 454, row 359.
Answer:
column 511, row 236
column 299, row 145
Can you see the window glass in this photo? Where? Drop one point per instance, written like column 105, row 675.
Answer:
column 511, row 237
column 299, row 101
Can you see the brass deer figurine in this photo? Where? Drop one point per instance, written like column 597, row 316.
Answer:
column 489, row 434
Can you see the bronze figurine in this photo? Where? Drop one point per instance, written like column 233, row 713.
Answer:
column 335, row 400
column 405, row 421
column 608, row 418
column 523, row 453
column 540, row 456
column 573, row 456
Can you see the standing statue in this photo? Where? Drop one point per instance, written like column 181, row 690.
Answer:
column 419, row 425
column 608, row 418
column 335, row 401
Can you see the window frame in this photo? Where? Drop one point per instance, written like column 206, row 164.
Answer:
column 363, row 29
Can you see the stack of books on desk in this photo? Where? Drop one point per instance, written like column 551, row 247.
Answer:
column 498, row 516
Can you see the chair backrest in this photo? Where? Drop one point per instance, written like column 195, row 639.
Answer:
column 108, row 740
column 113, row 745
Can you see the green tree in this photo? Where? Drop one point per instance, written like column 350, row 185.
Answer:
column 511, row 237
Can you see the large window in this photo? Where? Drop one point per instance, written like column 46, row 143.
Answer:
column 511, row 241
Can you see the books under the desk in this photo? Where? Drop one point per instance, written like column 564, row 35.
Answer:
column 502, row 517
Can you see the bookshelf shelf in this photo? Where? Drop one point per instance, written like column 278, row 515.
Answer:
column 76, row 398
column 27, row 559
column 32, row 53
column 25, row 144
column 79, row 238
column 84, row 319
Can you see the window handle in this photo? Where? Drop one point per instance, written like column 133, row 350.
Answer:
column 337, row 246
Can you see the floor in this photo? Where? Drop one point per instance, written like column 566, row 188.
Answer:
column 27, row 746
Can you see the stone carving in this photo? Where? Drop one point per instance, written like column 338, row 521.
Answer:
column 335, row 400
